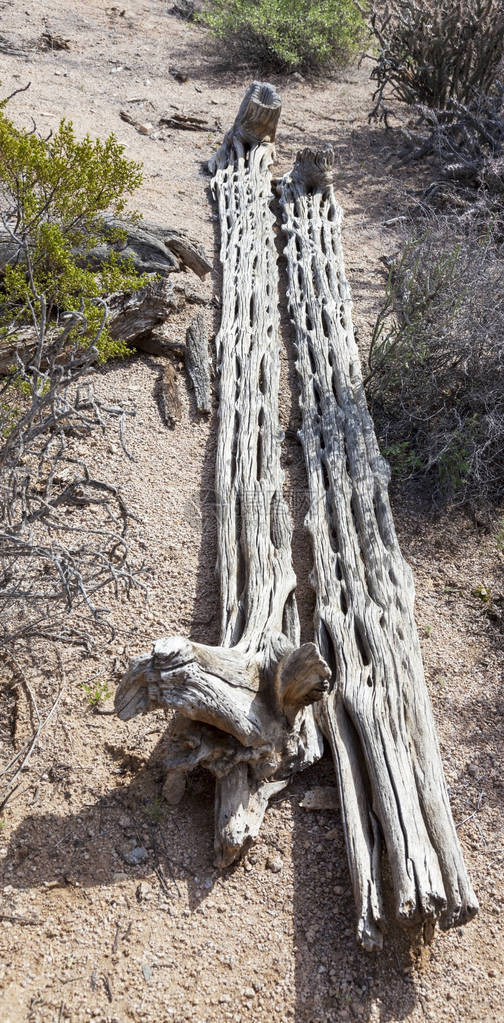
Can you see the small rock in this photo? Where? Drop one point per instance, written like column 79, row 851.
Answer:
column 472, row 770
column 136, row 856
column 297, row 77
column 332, row 834
column 120, row 876
column 124, row 821
column 275, row 864
column 338, row 889
column 323, row 797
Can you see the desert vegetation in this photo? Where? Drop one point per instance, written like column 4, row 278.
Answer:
column 121, row 546
column 288, row 35
column 436, row 357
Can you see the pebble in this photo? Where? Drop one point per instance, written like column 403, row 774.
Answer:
column 274, row 863
column 136, row 856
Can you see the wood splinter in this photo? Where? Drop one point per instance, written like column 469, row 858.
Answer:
column 244, row 708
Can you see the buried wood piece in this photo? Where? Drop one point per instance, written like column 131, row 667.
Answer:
column 243, row 708
column 198, row 362
column 377, row 717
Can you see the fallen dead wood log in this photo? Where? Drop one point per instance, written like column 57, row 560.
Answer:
column 377, row 718
column 152, row 248
column 243, row 706
column 132, row 318
column 187, row 122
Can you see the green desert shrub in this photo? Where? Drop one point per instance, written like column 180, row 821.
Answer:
column 288, row 34
column 53, row 193
column 436, row 379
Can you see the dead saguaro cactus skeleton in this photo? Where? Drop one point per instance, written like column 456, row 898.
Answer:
column 244, row 707
column 377, row 717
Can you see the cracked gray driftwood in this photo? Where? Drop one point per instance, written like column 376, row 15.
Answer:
column 377, row 717
column 243, row 708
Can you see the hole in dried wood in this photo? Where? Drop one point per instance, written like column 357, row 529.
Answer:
column 259, row 456
column 325, row 474
column 326, row 323
column 289, row 616
column 241, row 569
column 370, row 681
column 300, row 278
column 317, row 395
column 353, row 506
column 252, row 309
column 400, row 633
column 339, row 573
column 333, row 540
column 234, row 444
column 360, row 639
column 311, row 356
column 393, row 578
column 238, row 367
column 343, row 600
column 326, row 646
column 262, row 381
column 308, row 320
column 331, row 214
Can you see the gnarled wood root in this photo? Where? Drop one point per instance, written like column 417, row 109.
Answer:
column 242, row 716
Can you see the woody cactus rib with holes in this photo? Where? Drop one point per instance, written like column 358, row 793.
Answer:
column 244, row 707
column 377, row 717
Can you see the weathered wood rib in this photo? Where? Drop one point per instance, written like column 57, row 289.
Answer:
column 254, row 531
column 243, row 707
column 378, row 717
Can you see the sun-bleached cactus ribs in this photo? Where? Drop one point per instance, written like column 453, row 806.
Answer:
column 243, row 708
column 377, row 717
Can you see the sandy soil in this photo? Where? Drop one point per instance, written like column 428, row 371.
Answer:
column 173, row 939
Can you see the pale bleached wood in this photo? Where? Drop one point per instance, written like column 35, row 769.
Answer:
column 378, row 717
column 244, row 708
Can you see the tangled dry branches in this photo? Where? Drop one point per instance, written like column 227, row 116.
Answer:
column 436, row 381
column 436, row 51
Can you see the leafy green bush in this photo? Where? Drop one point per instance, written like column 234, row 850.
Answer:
column 288, row 34
column 436, row 380
column 53, row 192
